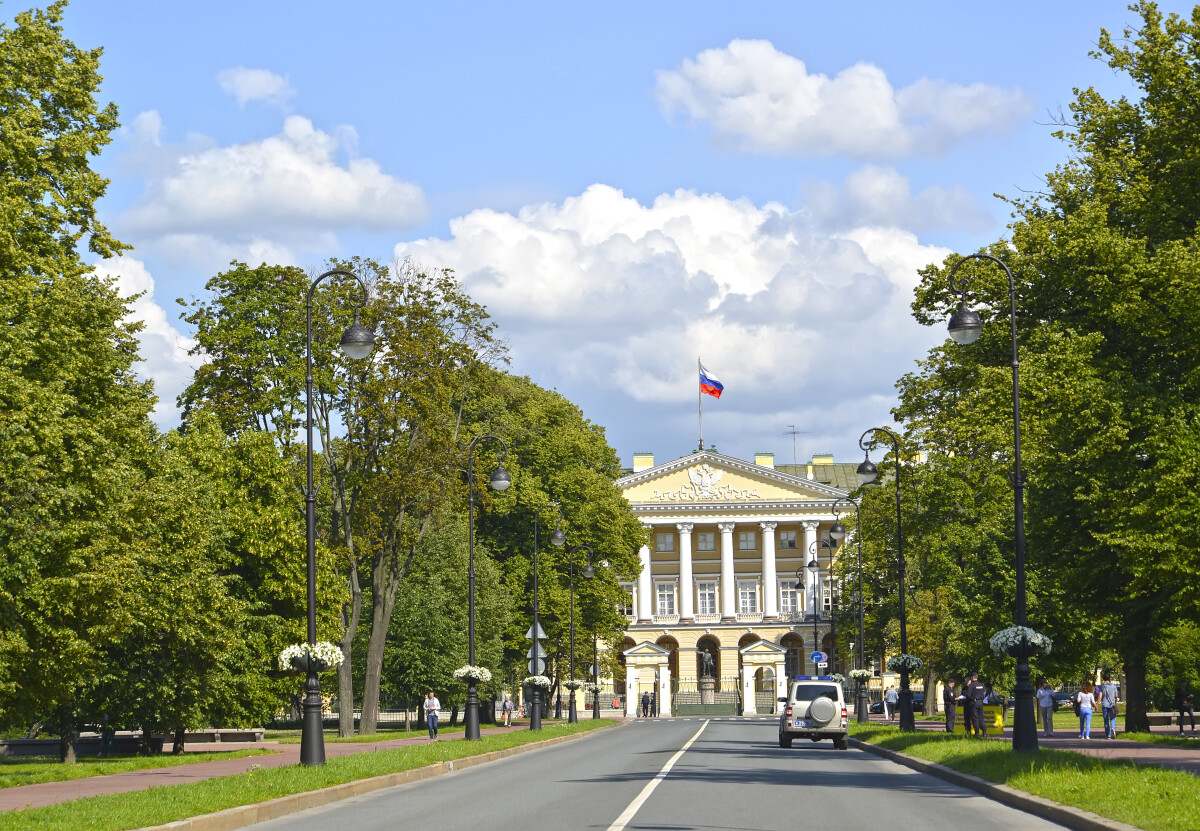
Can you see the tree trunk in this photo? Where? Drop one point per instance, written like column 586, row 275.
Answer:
column 453, row 715
column 930, row 706
column 177, row 741
column 386, row 573
column 1135, row 691
column 350, row 619
column 66, row 739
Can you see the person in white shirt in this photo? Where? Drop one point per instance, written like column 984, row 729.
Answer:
column 507, row 709
column 1087, row 703
column 1045, row 700
column 432, row 705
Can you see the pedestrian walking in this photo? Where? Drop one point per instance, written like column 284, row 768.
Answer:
column 506, row 710
column 654, row 704
column 973, row 709
column 108, row 738
column 1086, row 705
column 432, row 705
column 1183, row 700
column 950, row 704
column 645, row 705
column 1045, row 701
column 1107, row 694
column 890, row 699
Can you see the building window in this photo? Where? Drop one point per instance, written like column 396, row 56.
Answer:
column 787, row 540
column 666, row 598
column 626, row 604
column 746, row 541
column 747, row 597
column 664, row 543
column 788, row 603
column 827, row 589
column 706, row 598
column 705, row 541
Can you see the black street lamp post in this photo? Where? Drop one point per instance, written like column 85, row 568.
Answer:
column 595, row 674
column 557, row 538
column 862, row 701
column 814, row 567
column 357, row 343
column 867, row 472
column 588, row 571
column 965, row 327
column 500, row 481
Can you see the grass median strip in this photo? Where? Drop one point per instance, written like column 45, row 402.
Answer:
column 157, row 806
column 1145, row 796
column 32, row 771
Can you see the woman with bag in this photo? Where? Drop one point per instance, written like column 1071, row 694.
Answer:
column 1107, row 693
column 1085, row 703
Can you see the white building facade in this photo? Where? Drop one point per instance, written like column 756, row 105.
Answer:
column 725, row 573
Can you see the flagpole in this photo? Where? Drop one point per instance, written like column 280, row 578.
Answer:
column 700, row 403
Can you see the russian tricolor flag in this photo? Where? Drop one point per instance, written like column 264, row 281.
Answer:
column 710, row 383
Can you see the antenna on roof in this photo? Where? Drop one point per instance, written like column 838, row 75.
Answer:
column 794, row 432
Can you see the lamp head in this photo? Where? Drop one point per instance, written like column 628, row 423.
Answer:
column 838, row 531
column 867, row 472
column 558, row 538
column 814, row 566
column 358, row 341
column 965, row 325
column 500, row 479
column 589, row 570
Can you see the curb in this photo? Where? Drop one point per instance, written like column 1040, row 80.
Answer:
column 1038, row 806
column 244, row 815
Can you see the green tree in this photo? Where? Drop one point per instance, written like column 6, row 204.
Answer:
column 74, row 421
column 1108, row 273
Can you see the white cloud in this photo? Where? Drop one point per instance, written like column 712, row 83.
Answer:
column 603, row 293
column 874, row 195
column 164, row 349
column 759, row 99
column 248, row 85
column 292, row 182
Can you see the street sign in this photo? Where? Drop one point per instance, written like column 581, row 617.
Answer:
column 536, row 651
column 541, row 633
column 537, row 666
column 819, row 657
column 822, row 665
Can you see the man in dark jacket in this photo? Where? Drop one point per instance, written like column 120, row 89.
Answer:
column 950, row 704
column 645, row 705
column 975, row 693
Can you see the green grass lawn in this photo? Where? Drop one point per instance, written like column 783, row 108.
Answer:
column 1144, row 796
column 31, row 770
column 383, row 734
column 162, row 805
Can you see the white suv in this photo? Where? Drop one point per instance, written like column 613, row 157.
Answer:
column 816, row 709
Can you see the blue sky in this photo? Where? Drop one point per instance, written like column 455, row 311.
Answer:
column 625, row 186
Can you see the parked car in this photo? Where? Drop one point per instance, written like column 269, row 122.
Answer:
column 918, row 703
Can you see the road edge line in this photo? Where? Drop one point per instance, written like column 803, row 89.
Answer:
column 242, row 816
column 1067, row 815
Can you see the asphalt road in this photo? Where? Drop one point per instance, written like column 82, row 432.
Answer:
column 733, row 776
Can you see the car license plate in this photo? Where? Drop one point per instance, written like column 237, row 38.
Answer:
column 801, row 722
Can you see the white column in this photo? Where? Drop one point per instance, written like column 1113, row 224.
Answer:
column 632, row 705
column 664, row 691
column 748, row 706
column 728, row 584
column 645, row 587
column 781, row 683
column 770, row 580
column 810, row 592
column 687, row 590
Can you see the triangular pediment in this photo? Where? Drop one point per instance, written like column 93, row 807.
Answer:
column 763, row 648
column 646, row 649
column 705, row 478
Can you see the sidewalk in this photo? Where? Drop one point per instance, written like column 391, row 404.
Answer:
column 48, row 793
column 1162, row 755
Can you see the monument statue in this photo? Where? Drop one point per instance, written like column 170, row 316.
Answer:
column 707, row 667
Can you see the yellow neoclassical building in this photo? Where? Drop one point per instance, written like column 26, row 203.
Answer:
column 727, row 538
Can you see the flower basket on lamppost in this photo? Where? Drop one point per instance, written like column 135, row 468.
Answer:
column 321, row 656
column 473, row 676
column 860, row 678
column 541, row 686
column 1020, row 642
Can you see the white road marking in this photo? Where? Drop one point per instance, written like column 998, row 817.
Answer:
column 641, row 798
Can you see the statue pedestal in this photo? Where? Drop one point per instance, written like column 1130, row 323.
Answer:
column 708, row 688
